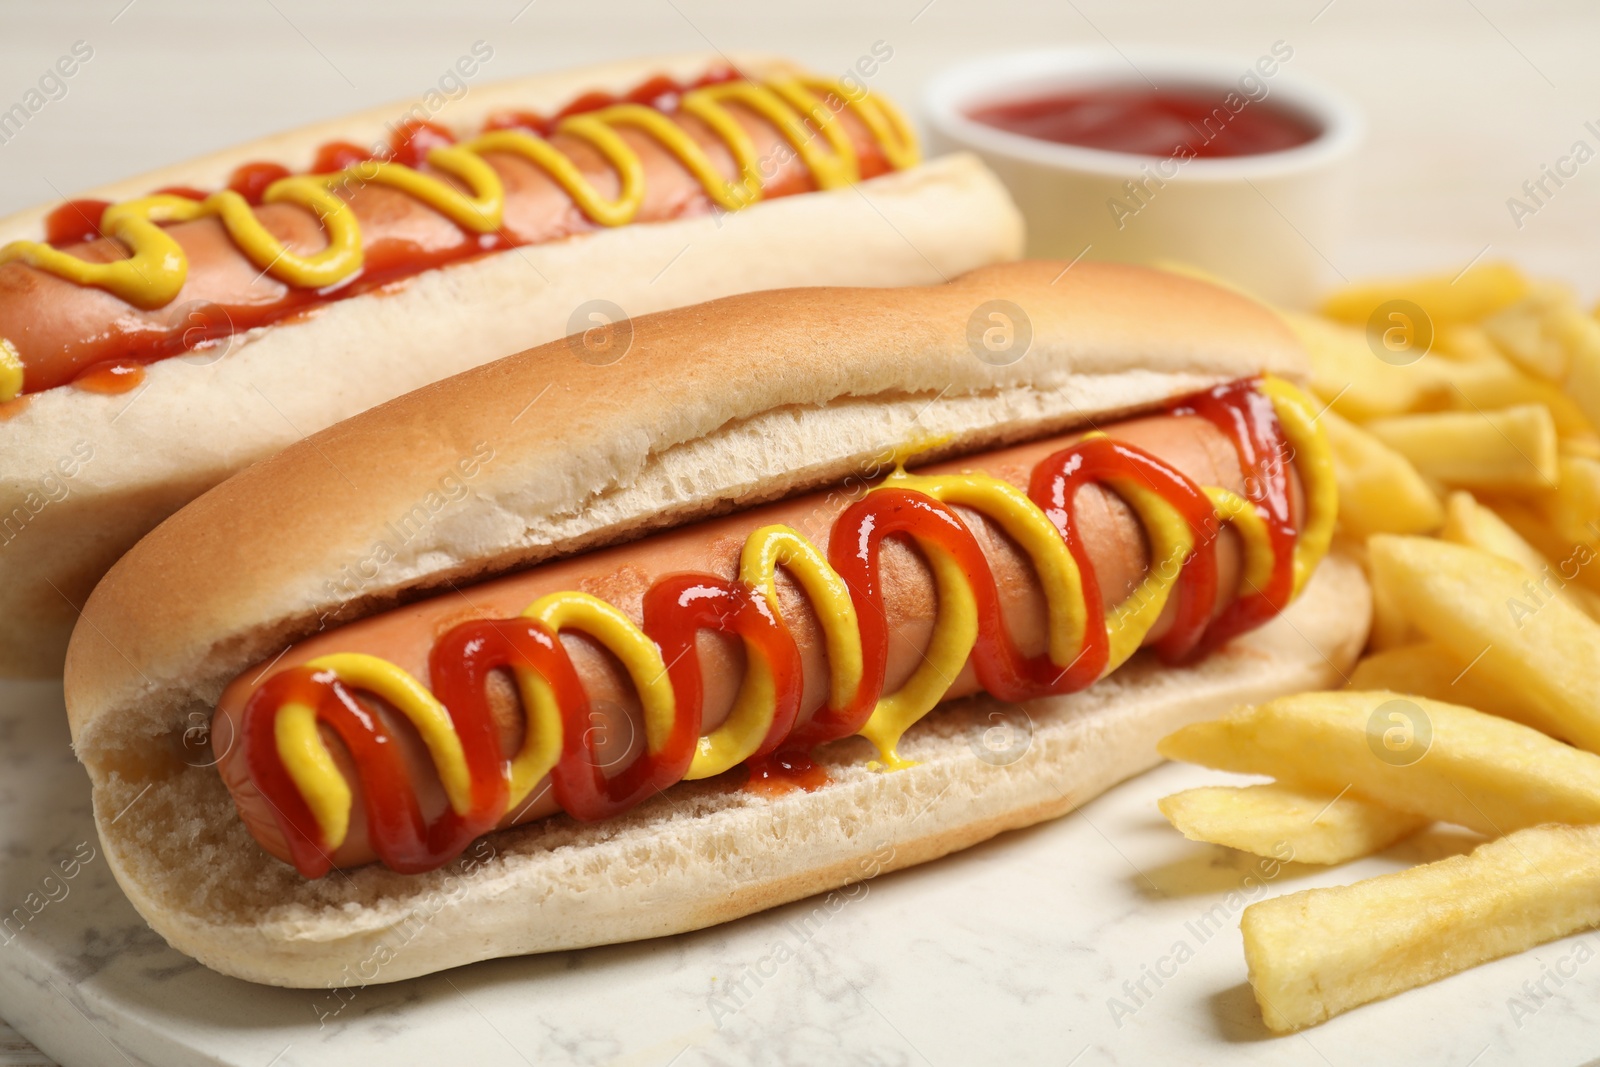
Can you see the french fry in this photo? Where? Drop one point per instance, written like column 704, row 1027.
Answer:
column 1357, row 384
column 1463, row 343
column 1319, row 952
column 1391, row 626
column 1532, row 333
column 1541, row 331
column 1583, row 375
column 1469, row 297
column 1379, row 490
column 1572, row 508
column 1572, row 327
column 1523, row 516
column 1410, row 754
column 1494, row 383
column 1427, row 669
column 1572, row 561
column 1579, row 446
column 1262, row 819
column 1511, row 449
column 1491, row 613
column 1467, row 522
column 1500, row 614
column 1586, row 600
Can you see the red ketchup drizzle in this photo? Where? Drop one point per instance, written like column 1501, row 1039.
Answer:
column 336, row 156
column 1246, row 416
column 1054, row 486
column 678, row 607
column 111, row 377
column 386, row 262
column 251, row 180
column 531, row 121
column 784, row 772
column 660, row 92
column 414, row 139
column 587, row 102
column 74, row 222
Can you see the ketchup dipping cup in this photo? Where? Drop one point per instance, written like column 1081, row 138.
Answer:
column 1230, row 165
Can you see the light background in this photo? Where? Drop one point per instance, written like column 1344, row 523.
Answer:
column 1465, row 99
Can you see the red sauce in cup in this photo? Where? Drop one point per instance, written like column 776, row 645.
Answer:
column 1193, row 123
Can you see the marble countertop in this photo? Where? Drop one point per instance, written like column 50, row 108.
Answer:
column 18, row 1051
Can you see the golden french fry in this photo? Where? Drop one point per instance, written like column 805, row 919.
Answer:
column 1264, row 819
column 1511, row 449
column 1481, row 291
column 1579, row 446
column 1356, row 383
column 1540, row 331
column 1391, row 626
column 1430, row 670
column 1572, row 508
column 1463, row 343
column 1467, row 522
column 1319, row 952
column 1586, row 600
column 1477, row 527
column 1494, row 383
column 1526, row 333
column 1379, row 490
column 1567, row 520
column 1410, row 754
column 1500, row 615
column 1570, row 325
column 1492, row 613
column 1523, row 516
column 1583, row 374
column 1572, row 561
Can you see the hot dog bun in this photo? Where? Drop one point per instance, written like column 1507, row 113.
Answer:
column 195, row 421
column 715, row 406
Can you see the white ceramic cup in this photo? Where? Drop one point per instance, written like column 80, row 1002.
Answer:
column 1267, row 222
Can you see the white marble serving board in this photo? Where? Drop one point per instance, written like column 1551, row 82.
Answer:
column 1011, row 952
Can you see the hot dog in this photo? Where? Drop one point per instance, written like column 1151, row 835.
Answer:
column 63, row 328
column 1111, row 533
column 508, row 686
column 441, row 243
